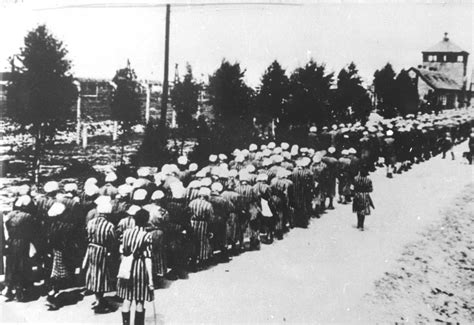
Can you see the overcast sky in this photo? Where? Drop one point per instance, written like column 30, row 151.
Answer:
column 369, row 33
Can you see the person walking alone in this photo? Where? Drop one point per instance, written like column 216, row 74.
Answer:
column 362, row 200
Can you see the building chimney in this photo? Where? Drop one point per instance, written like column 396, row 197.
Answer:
column 445, row 38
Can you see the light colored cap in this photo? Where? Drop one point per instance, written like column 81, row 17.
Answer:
column 23, row 201
column 110, row 177
column 91, row 190
column 222, row 156
column 233, row 173
column 91, row 180
column 206, row 181
column 331, row 150
column 177, row 190
column 23, row 189
column 205, row 191
column 317, row 158
column 139, row 194
column 157, row 195
column 182, row 160
column 253, row 147
column 101, row 199
column 194, row 184
column 305, row 161
column 345, row 152
column 352, row 151
column 262, row 178
column 133, row 209
column 56, row 209
column 124, row 189
column 271, row 145
column 250, row 168
column 285, row 146
column 130, row 180
column 70, row 187
column 389, row 133
column 193, row 167
column 51, row 186
column 212, row 158
column 313, row 129
column 143, row 172
column 217, row 187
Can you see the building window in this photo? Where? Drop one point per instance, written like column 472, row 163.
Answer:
column 445, row 58
column 460, row 58
column 443, row 99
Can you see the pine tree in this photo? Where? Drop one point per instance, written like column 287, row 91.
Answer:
column 42, row 91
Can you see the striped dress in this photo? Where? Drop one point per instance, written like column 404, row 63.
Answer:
column 101, row 236
column 202, row 213
column 157, row 224
column 138, row 242
column 362, row 200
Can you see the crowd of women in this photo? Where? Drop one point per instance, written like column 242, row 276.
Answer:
column 124, row 234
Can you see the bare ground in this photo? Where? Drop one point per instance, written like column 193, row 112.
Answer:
column 433, row 280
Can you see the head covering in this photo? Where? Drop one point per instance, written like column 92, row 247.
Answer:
column 271, row 145
column 233, row 173
column 193, row 167
column 56, row 209
column 305, row 161
column 344, row 152
column 70, row 187
column 110, row 177
column 182, row 160
column 177, row 190
column 143, row 172
column 130, row 180
column 51, row 186
column 23, row 201
column 253, row 147
column 91, row 180
column 313, row 129
column 124, row 190
column 352, row 151
column 194, row 184
column 285, row 146
column 331, row 150
column 317, row 158
column 23, row 189
column 133, row 209
column 90, row 190
column 139, row 194
column 157, row 195
column 204, row 191
column 212, row 158
column 217, row 187
column 206, row 181
column 222, row 156
column 262, row 177
column 389, row 133
column 250, row 168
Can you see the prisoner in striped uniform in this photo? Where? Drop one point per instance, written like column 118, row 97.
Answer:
column 139, row 287
column 202, row 213
column 102, row 241
column 249, row 209
column 362, row 200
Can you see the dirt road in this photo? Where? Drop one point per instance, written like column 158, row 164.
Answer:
column 314, row 275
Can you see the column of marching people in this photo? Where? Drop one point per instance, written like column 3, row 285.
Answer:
column 125, row 234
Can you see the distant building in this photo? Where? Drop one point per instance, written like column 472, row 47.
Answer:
column 443, row 75
column 4, row 79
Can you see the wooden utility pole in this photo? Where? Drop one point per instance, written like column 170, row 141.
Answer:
column 164, row 95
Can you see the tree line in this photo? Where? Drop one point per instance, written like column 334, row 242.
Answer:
column 41, row 97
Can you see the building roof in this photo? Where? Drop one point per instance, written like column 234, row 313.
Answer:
column 445, row 46
column 438, row 80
